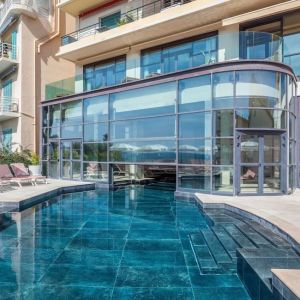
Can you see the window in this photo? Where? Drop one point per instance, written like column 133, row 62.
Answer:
column 179, row 57
column 110, row 21
column 106, row 73
column 7, row 138
column 95, row 109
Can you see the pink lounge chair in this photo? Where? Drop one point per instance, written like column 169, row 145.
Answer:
column 20, row 171
column 6, row 176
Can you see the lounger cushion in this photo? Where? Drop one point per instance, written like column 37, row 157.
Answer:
column 5, row 172
column 19, row 170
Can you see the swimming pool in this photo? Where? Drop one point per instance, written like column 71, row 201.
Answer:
column 134, row 243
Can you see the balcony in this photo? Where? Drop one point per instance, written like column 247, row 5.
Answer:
column 142, row 24
column 9, row 108
column 233, row 46
column 75, row 7
column 15, row 7
column 8, row 56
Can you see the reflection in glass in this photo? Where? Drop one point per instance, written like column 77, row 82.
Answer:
column 149, row 101
column 260, row 118
column 195, row 93
column 95, row 152
column 158, row 127
column 223, row 151
column 222, row 179
column 66, row 169
column 66, row 150
column 272, row 145
column 258, row 89
column 249, row 148
column 249, row 179
column 95, row 171
column 76, row 170
column 45, row 168
column 54, row 115
column 194, row 151
column 194, row 177
column 53, row 151
column 45, row 115
column 144, row 151
column 71, row 132
column 223, row 123
column 223, row 86
column 195, row 125
column 76, row 150
column 44, row 135
column 71, row 113
column 97, row 132
column 272, row 179
column 95, row 109
column 54, row 132
column 53, row 169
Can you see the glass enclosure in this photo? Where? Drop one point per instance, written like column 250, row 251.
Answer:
column 223, row 132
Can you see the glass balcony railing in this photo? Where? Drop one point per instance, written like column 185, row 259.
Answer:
column 9, row 105
column 230, row 47
column 8, row 51
column 125, row 18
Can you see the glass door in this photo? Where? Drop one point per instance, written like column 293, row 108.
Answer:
column 259, row 163
column 71, row 159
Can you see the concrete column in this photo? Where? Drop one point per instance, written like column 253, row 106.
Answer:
column 229, row 43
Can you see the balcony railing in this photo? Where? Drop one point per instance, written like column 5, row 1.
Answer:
column 8, row 3
column 231, row 47
column 9, row 105
column 8, row 51
column 125, row 18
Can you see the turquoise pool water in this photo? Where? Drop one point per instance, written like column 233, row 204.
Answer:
column 134, row 243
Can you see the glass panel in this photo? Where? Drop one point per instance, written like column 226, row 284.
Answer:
column 272, row 153
column 45, row 116
column 76, row 170
column 195, row 125
column 44, row 152
column 223, row 123
column 53, row 151
column 44, row 135
column 151, row 62
column 194, row 152
column 249, row 149
column 195, row 93
column 45, row 168
column 95, row 152
column 71, row 113
column 95, row 109
column 272, row 179
column 95, row 172
column 149, row 101
column 144, row 151
column 223, row 85
column 54, row 116
column 223, row 151
column 69, row 132
column 53, row 169
column 76, row 150
column 294, row 62
column 222, row 179
column 143, row 128
column 97, row 132
column 249, row 179
column 66, row 169
column 66, row 150
column 54, row 132
column 260, row 118
column 258, row 89
column 110, row 21
column 194, row 177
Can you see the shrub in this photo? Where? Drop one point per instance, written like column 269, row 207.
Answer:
column 9, row 157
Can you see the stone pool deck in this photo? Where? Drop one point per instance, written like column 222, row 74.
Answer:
column 279, row 213
column 16, row 199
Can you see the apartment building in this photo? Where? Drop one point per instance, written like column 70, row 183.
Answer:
column 197, row 93
column 26, row 26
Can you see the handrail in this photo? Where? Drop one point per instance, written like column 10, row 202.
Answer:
column 9, row 104
column 125, row 18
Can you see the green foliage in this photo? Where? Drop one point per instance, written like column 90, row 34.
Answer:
column 9, row 157
column 35, row 160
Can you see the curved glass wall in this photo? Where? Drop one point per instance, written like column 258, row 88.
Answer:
column 192, row 123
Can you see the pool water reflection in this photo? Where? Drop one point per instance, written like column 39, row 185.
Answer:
column 134, row 243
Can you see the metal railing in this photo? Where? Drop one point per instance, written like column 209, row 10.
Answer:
column 7, row 4
column 125, row 18
column 8, row 51
column 8, row 104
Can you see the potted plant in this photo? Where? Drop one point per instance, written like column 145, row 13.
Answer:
column 34, row 167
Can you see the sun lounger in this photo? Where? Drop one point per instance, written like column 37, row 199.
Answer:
column 3, row 183
column 7, row 176
column 20, row 170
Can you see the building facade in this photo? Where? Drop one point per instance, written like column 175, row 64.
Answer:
column 199, row 93
column 26, row 26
